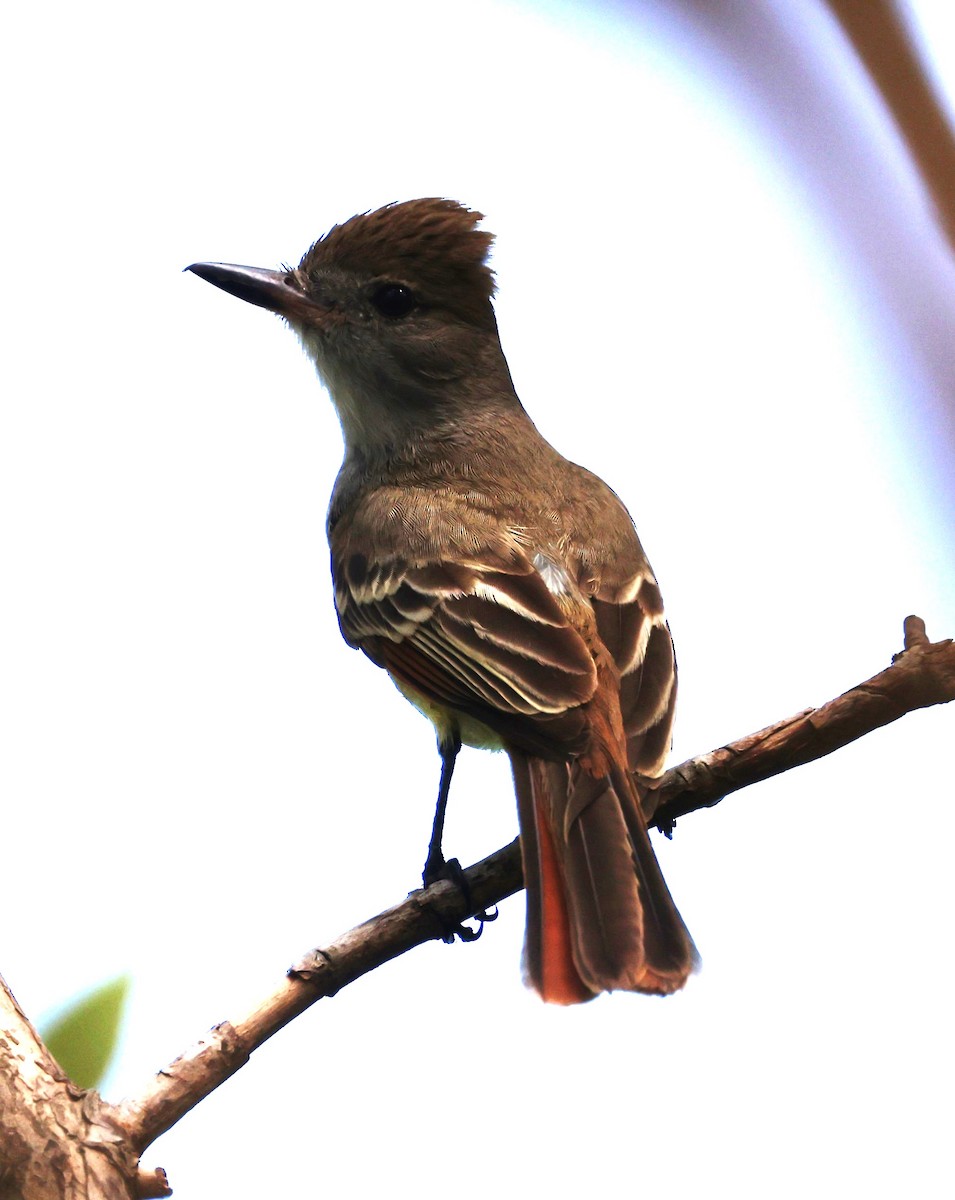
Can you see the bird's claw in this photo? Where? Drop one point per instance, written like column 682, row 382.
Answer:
column 452, row 871
column 469, row 933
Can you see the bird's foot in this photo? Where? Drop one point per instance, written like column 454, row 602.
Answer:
column 437, row 869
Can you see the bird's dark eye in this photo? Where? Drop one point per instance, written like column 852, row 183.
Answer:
column 393, row 299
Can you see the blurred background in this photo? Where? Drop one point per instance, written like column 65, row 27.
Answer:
column 717, row 243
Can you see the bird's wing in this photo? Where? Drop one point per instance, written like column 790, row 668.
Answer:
column 487, row 638
column 632, row 625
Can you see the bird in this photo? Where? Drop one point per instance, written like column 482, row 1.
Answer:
column 502, row 587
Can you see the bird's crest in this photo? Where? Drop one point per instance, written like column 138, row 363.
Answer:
column 433, row 245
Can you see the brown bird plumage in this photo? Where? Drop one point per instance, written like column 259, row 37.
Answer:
column 503, row 587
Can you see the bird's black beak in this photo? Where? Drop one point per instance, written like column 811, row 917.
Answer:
column 275, row 290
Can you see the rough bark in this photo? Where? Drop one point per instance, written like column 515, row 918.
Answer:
column 56, row 1140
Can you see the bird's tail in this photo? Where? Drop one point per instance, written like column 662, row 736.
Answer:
column 599, row 914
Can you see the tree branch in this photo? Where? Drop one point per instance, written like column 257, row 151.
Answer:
column 922, row 675
column 423, row 917
column 879, row 33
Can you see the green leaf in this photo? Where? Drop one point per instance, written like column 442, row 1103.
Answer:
column 83, row 1037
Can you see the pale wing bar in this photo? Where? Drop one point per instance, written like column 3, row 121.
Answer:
column 497, row 637
column 632, row 625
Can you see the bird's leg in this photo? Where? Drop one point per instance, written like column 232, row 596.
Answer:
column 435, row 866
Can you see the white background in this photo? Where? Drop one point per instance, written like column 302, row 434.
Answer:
column 199, row 781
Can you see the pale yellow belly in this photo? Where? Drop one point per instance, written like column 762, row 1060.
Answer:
column 447, row 721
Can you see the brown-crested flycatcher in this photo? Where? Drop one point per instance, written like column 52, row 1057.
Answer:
column 502, row 587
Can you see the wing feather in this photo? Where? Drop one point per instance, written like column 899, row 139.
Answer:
column 471, row 636
column 509, row 634
column 632, row 625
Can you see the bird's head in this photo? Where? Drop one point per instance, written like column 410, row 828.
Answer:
column 394, row 307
